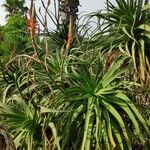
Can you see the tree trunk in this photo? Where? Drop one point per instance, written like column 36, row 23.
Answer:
column 6, row 141
column 63, row 10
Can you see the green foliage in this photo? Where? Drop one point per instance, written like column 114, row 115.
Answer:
column 69, row 99
column 14, row 36
column 14, row 6
column 72, row 100
column 127, row 28
column 20, row 106
column 98, row 101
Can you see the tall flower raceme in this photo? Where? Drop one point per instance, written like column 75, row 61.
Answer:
column 33, row 29
column 32, row 25
column 68, row 16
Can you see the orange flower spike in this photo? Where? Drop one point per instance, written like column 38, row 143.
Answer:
column 31, row 20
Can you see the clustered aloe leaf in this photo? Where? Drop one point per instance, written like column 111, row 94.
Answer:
column 77, row 98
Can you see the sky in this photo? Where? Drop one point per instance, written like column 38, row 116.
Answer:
column 87, row 6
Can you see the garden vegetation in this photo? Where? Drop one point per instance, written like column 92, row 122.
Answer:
column 80, row 86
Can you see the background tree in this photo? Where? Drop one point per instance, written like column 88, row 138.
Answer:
column 14, row 36
column 14, row 6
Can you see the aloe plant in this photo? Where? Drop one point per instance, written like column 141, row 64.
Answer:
column 71, row 101
column 68, row 99
column 20, row 106
column 94, row 110
column 126, row 28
